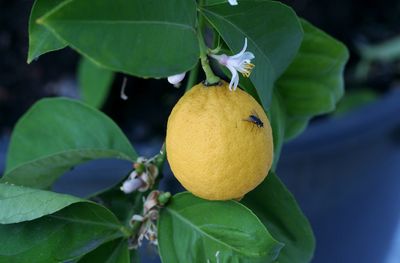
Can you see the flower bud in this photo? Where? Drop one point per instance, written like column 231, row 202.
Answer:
column 176, row 79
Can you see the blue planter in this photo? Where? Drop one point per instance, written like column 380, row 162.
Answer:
column 345, row 174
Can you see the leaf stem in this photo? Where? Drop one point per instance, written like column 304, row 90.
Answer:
column 192, row 77
column 211, row 78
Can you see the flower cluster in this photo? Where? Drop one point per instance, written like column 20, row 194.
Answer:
column 148, row 228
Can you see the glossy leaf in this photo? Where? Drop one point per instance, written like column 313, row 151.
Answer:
column 65, row 235
column 57, row 134
column 41, row 40
column 278, row 210
column 274, row 35
column 94, row 82
column 19, row 203
column 115, row 251
column 191, row 229
column 142, row 38
column 313, row 83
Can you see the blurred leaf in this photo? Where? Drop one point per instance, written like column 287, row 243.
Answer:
column 41, row 40
column 274, row 35
column 142, row 38
column 94, row 82
column 65, row 235
column 354, row 100
column 313, row 83
column 191, row 229
column 386, row 51
column 19, row 203
column 57, row 134
column 115, row 251
column 278, row 210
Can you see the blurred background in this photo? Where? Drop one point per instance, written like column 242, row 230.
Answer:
column 344, row 170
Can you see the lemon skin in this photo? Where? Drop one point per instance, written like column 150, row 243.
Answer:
column 216, row 148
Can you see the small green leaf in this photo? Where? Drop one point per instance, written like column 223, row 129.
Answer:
column 19, row 203
column 313, row 83
column 274, row 35
column 152, row 38
column 94, row 82
column 278, row 210
column 63, row 236
column 57, row 134
column 41, row 40
column 115, row 251
column 191, row 229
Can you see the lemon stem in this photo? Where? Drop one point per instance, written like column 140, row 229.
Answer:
column 211, row 78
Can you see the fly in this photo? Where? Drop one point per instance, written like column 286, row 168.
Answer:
column 253, row 118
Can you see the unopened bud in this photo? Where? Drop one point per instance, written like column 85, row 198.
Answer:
column 176, row 79
column 131, row 185
column 164, row 198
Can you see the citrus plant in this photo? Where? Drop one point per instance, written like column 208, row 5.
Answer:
column 267, row 73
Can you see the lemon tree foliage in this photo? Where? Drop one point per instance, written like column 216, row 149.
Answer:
column 62, row 236
column 94, row 82
column 142, row 38
column 115, row 251
column 313, row 83
column 214, row 231
column 297, row 75
column 273, row 31
column 57, row 134
column 41, row 40
column 288, row 224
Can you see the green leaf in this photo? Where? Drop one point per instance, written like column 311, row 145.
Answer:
column 57, row 134
column 277, row 118
column 313, row 83
column 41, row 40
column 274, row 35
column 94, row 82
column 152, row 38
column 278, row 210
column 19, row 203
column 65, row 235
column 115, row 251
column 191, row 229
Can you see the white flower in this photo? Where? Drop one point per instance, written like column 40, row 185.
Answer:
column 240, row 62
column 131, row 185
column 233, row 2
column 176, row 79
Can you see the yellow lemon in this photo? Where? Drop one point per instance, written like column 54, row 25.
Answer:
column 219, row 142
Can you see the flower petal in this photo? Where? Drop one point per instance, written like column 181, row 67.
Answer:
column 130, row 185
column 233, row 2
column 234, row 78
column 242, row 51
column 176, row 79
